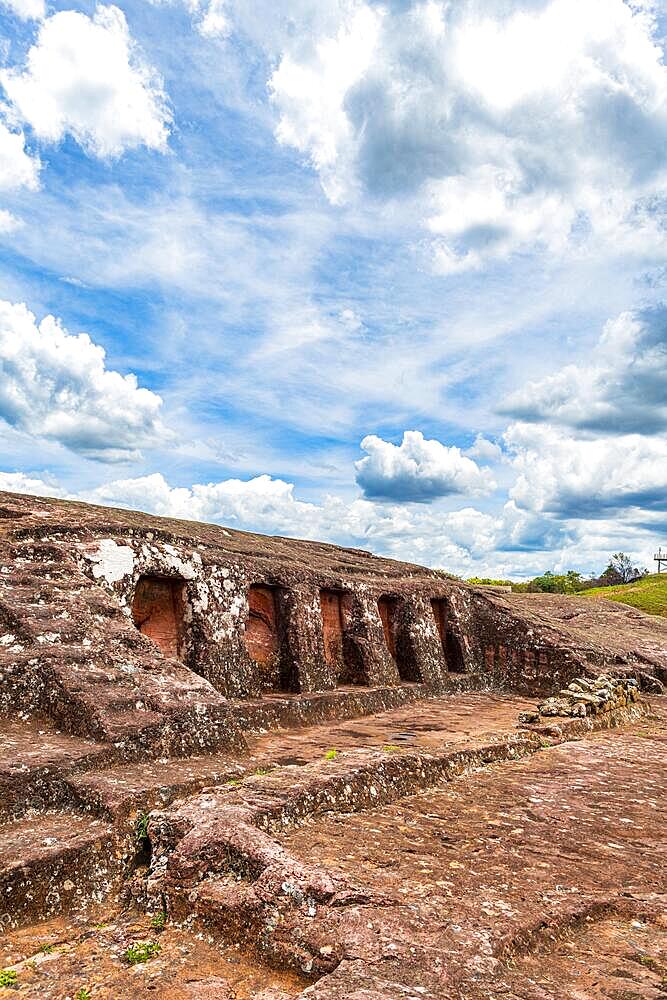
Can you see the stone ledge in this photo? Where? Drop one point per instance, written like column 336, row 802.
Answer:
column 216, row 862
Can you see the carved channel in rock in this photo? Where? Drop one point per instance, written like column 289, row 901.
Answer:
column 158, row 612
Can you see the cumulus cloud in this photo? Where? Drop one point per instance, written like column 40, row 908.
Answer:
column 20, row 482
column 467, row 541
column 27, row 10
column 271, row 506
column 56, row 385
column 464, row 540
column 571, row 477
column 485, row 450
column 311, row 93
column 417, row 470
column 623, row 390
column 515, row 124
column 84, row 77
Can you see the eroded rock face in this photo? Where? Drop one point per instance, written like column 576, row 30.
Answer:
column 135, row 629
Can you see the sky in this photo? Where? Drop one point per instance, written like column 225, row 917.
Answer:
column 388, row 274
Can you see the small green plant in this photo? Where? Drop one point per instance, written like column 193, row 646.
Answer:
column 234, row 782
column 7, row 977
column 142, row 951
column 331, row 755
column 47, row 949
column 648, row 962
column 159, row 920
column 263, row 770
column 142, row 826
column 83, row 994
column 390, row 748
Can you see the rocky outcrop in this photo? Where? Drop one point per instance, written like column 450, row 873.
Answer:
column 138, row 630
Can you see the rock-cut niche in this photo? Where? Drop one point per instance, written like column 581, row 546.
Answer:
column 158, row 612
column 389, row 608
column 451, row 647
column 335, row 607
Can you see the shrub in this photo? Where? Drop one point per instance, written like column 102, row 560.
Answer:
column 142, row 951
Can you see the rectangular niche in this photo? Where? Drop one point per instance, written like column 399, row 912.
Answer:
column 157, row 611
column 261, row 631
column 451, row 647
column 266, row 639
column 397, row 639
column 335, row 608
column 388, row 606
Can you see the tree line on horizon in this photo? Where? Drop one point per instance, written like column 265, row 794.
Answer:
column 619, row 570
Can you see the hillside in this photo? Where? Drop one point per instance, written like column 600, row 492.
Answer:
column 648, row 594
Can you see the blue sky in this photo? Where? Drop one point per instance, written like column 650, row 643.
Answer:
column 389, row 274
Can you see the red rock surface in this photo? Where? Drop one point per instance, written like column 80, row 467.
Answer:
column 157, row 611
column 320, row 761
column 507, row 883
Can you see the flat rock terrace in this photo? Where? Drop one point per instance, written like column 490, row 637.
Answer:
column 243, row 766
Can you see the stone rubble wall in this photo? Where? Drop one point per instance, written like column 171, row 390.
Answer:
column 587, row 696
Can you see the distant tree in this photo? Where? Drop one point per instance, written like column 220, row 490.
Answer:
column 620, row 570
column 557, row 583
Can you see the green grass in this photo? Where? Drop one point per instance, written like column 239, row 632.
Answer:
column 8, row 977
column 648, row 594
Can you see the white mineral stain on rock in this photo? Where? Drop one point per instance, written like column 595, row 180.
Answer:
column 111, row 561
column 183, row 567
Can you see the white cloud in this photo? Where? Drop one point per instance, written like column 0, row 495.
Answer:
column 213, row 21
column 465, row 541
column 19, row 482
column 270, row 506
column 485, row 450
column 17, row 168
column 84, row 77
column 515, row 125
column 517, row 542
column 622, row 390
column 28, row 10
column 417, row 470
column 571, row 477
column 55, row 385
column 8, row 222
column 310, row 96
